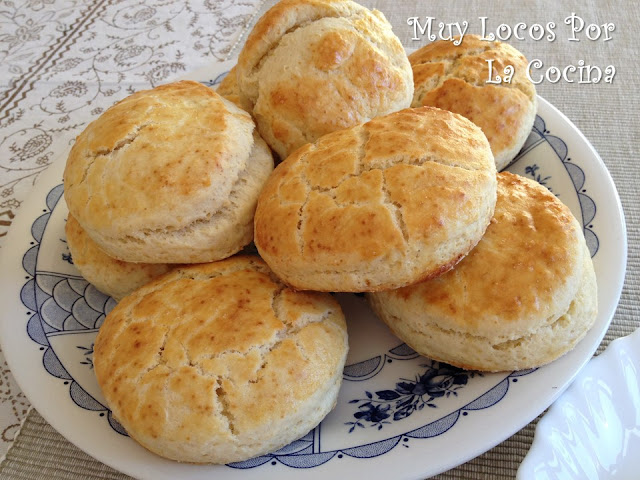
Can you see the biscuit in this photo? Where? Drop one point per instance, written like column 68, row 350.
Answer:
column 311, row 67
column 524, row 296
column 109, row 275
column 168, row 175
column 228, row 88
column 378, row 206
column 455, row 78
column 220, row 362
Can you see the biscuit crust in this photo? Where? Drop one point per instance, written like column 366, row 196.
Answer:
column 525, row 295
column 220, row 362
column 455, row 78
column 380, row 205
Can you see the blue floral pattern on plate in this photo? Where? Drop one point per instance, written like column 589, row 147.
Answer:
column 408, row 396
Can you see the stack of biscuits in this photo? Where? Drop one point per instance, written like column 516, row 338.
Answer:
column 386, row 183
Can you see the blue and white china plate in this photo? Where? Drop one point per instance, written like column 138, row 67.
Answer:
column 592, row 432
column 398, row 415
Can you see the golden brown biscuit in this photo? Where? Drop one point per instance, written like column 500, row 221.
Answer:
column 311, row 67
column 381, row 205
column 455, row 78
column 220, row 362
column 525, row 295
column 168, row 175
column 109, row 275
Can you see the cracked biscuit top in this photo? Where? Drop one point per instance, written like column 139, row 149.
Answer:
column 378, row 206
column 455, row 78
column 311, row 67
column 168, row 175
column 525, row 295
column 220, row 362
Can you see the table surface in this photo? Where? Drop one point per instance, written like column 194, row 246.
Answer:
column 66, row 61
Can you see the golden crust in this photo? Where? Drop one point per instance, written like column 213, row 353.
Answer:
column 168, row 175
column 343, row 67
column 109, row 275
column 379, row 205
column 220, row 362
column 454, row 78
column 505, row 306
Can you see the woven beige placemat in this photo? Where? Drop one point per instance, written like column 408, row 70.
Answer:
column 607, row 116
column 40, row 452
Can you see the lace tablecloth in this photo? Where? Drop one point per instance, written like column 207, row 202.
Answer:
column 66, row 61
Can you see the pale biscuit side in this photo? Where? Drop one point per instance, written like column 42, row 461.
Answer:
column 109, row 275
column 541, row 344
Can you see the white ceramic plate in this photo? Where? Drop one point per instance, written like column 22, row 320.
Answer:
column 592, row 432
column 397, row 415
